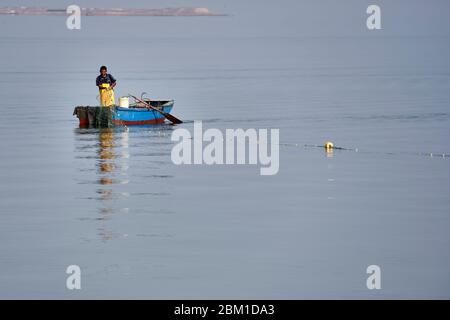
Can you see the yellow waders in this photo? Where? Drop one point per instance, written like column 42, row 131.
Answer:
column 107, row 96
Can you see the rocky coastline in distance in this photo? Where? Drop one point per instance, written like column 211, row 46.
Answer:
column 183, row 11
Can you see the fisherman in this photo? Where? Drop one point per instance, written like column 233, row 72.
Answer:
column 106, row 83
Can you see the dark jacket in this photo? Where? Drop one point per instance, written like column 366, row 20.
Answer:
column 109, row 79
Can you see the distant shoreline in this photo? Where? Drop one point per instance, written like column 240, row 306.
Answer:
column 173, row 12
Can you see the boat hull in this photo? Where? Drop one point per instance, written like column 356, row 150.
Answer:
column 140, row 116
column 116, row 116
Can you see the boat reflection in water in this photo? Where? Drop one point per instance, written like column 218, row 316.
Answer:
column 112, row 168
column 110, row 193
column 104, row 152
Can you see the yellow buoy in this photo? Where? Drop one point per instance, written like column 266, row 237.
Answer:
column 329, row 148
column 329, row 145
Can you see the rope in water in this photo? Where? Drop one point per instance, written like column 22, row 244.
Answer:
column 329, row 147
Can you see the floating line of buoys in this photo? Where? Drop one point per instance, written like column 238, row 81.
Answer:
column 329, row 147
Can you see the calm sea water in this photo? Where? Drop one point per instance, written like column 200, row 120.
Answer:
column 112, row 202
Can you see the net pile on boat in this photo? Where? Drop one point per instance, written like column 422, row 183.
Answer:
column 97, row 117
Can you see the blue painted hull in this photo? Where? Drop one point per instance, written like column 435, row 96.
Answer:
column 140, row 116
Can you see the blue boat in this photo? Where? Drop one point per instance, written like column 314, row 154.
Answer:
column 136, row 114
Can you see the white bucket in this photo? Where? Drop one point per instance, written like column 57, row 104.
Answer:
column 124, row 102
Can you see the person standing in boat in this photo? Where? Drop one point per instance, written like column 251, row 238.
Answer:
column 106, row 83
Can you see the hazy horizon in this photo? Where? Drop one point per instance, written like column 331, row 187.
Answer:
column 302, row 18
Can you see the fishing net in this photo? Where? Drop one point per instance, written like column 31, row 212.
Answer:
column 97, row 117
